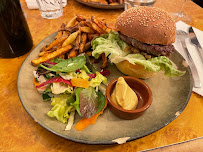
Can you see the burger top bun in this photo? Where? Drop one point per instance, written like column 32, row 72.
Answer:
column 149, row 25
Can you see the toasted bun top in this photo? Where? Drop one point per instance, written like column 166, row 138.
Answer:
column 149, row 25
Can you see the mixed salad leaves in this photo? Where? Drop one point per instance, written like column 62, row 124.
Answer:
column 71, row 87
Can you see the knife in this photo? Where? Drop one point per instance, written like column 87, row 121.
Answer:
column 182, row 35
column 195, row 41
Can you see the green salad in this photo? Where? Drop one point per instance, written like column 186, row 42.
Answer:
column 70, row 86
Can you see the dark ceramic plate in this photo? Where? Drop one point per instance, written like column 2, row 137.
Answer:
column 103, row 6
column 170, row 97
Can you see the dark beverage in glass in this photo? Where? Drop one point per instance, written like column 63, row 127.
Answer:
column 15, row 37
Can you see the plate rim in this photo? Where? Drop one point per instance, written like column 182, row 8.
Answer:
column 97, row 142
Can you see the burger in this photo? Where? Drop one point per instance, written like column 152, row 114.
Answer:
column 142, row 43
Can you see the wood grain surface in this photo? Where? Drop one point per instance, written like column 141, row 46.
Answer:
column 19, row 132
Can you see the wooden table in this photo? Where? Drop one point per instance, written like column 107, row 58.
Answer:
column 18, row 131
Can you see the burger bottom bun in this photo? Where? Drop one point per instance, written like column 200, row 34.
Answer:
column 136, row 70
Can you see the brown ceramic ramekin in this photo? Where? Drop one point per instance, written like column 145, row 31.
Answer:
column 142, row 91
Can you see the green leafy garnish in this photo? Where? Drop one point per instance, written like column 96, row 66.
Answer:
column 101, row 101
column 46, row 96
column 70, row 100
column 76, row 104
column 68, row 65
column 60, row 108
column 88, row 102
column 85, row 68
column 98, row 80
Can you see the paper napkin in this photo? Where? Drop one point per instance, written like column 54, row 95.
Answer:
column 193, row 51
column 32, row 4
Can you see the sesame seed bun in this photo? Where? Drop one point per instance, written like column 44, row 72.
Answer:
column 136, row 70
column 149, row 25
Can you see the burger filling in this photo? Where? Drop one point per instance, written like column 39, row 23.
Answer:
column 118, row 50
column 153, row 49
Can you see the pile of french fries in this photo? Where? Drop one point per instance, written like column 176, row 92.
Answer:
column 106, row 2
column 73, row 39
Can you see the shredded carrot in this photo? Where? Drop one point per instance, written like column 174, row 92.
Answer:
column 84, row 122
column 35, row 82
column 77, row 82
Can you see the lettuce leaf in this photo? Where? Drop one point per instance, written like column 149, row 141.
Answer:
column 71, row 75
column 76, row 104
column 88, row 102
column 68, row 65
column 98, row 80
column 115, row 49
column 58, row 88
column 110, row 44
column 101, row 101
column 60, row 109
column 85, row 68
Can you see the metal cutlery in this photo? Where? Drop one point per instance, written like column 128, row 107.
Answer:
column 181, row 35
column 195, row 42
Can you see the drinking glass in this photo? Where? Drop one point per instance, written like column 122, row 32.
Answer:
column 50, row 9
column 181, row 15
column 133, row 3
column 15, row 37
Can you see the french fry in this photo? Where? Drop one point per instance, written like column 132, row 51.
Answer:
column 80, row 37
column 97, row 28
column 104, row 60
column 89, row 53
column 73, row 53
column 70, row 39
column 72, row 22
column 77, row 41
column 114, row 3
column 91, row 36
column 63, row 25
column 62, row 56
column 81, row 23
column 80, row 18
column 86, row 29
column 47, row 52
column 99, row 1
column 59, row 35
column 53, row 44
column 87, row 46
column 108, row 30
column 71, row 29
column 51, row 55
column 89, row 24
column 42, row 49
column 83, row 42
column 59, row 46
column 99, row 23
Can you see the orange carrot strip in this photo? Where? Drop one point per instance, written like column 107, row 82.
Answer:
column 84, row 122
column 77, row 82
column 35, row 82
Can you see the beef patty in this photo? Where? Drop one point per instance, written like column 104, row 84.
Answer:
column 153, row 49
